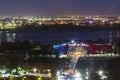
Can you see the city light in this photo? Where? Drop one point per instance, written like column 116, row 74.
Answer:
column 102, row 75
column 72, row 41
column 34, row 70
column 100, row 72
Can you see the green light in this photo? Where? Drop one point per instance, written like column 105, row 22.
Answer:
column 39, row 78
column 24, row 78
column 37, row 48
column 14, row 70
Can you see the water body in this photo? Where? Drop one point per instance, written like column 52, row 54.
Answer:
column 59, row 36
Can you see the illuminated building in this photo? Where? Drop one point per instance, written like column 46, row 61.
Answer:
column 68, row 70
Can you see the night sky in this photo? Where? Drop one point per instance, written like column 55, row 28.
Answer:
column 59, row 7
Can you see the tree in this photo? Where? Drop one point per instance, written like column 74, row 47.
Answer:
column 114, row 69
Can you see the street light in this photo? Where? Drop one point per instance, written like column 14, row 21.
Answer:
column 34, row 70
column 100, row 72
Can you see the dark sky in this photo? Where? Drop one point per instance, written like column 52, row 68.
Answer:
column 59, row 7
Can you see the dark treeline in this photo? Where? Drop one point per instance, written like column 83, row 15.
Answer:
column 44, row 48
column 26, row 46
column 17, row 45
column 113, row 69
column 65, row 28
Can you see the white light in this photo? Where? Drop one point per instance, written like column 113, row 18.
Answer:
column 72, row 41
column 5, row 75
column 100, row 72
column 77, row 74
column 103, row 77
column 34, row 70
column 64, row 44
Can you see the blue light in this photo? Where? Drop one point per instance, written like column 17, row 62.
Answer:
column 56, row 46
column 72, row 41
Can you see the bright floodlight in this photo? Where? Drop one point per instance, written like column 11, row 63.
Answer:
column 100, row 72
column 77, row 74
column 102, row 75
column 69, row 76
column 34, row 70
column 72, row 41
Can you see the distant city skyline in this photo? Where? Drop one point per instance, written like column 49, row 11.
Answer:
column 59, row 7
